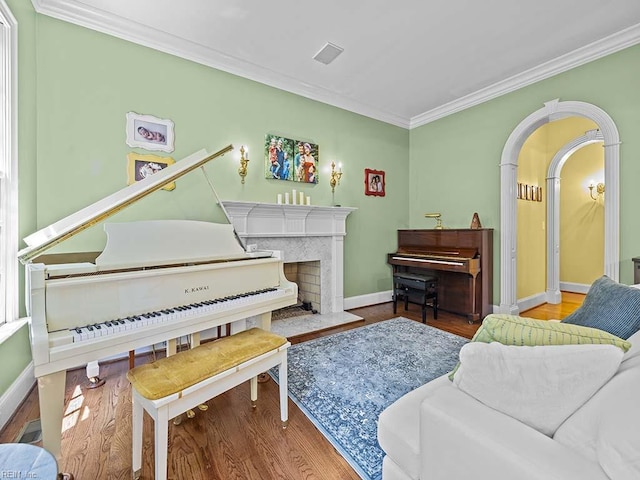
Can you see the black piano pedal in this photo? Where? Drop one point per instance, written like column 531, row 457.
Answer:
column 94, row 382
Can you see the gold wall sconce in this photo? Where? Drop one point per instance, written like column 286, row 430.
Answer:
column 242, row 171
column 335, row 177
column 438, row 217
column 599, row 190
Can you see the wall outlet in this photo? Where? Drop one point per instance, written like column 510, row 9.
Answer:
column 252, row 248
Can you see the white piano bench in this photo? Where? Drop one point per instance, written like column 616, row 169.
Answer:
column 170, row 386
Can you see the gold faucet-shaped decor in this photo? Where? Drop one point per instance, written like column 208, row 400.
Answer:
column 438, row 217
column 599, row 190
column 334, row 179
column 242, row 171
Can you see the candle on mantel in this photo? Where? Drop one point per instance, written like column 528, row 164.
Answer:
column 301, row 198
column 308, row 200
column 295, row 197
column 286, row 198
column 279, row 199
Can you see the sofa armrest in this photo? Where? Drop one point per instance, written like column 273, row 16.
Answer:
column 462, row 438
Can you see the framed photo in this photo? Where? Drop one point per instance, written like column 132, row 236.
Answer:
column 149, row 132
column 374, row 183
column 289, row 159
column 141, row 166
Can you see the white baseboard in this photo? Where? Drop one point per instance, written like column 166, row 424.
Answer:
column 368, row 299
column 574, row 287
column 532, row 301
column 15, row 394
column 379, row 297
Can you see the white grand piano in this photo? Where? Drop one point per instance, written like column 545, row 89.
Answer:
column 155, row 281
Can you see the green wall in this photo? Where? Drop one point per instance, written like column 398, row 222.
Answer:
column 87, row 82
column 454, row 161
column 75, row 88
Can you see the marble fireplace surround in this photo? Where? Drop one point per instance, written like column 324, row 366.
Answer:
column 301, row 233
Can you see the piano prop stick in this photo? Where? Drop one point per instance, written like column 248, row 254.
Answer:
column 155, row 281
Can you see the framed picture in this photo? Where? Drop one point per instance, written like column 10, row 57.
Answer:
column 374, row 183
column 141, row 166
column 288, row 159
column 149, row 132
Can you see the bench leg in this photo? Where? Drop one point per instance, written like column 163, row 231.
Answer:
column 254, row 391
column 282, row 377
column 137, row 421
column 161, row 428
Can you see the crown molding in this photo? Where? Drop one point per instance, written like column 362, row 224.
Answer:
column 608, row 45
column 101, row 21
column 105, row 22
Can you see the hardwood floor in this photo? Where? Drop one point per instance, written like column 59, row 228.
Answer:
column 229, row 441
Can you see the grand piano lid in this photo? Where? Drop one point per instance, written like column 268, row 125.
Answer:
column 43, row 239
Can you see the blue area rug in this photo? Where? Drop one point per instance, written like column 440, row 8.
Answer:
column 343, row 382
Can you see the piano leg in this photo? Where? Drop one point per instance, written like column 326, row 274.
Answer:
column 51, row 399
column 265, row 321
column 265, row 324
column 93, row 375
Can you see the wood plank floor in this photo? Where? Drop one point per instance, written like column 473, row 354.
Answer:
column 229, row 441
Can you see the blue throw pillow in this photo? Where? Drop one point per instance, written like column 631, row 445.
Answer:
column 609, row 306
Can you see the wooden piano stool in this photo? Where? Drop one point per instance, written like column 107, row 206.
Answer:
column 170, row 386
column 416, row 288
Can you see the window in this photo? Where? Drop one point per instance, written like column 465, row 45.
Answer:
column 8, row 167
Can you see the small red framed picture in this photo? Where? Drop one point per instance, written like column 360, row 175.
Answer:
column 374, row 182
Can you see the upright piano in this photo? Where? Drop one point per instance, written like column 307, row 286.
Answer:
column 462, row 261
column 155, row 281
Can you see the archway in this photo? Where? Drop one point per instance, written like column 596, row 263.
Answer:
column 555, row 110
column 553, row 294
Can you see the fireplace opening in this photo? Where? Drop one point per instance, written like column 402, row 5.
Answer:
column 307, row 276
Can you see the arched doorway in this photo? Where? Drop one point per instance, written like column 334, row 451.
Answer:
column 555, row 110
column 553, row 294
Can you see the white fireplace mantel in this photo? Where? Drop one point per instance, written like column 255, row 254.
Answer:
column 254, row 219
column 301, row 233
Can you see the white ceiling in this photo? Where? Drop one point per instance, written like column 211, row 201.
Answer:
column 406, row 62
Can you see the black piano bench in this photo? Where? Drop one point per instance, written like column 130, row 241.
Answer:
column 419, row 289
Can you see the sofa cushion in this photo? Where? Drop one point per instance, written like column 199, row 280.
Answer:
column 609, row 306
column 605, row 429
column 399, row 427
column 540, row 386
column 523, row 331
column 634, row 350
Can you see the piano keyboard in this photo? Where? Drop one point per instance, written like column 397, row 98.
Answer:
column 133, row 322
column 430, row 260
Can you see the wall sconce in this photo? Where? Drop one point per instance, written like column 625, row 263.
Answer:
column 438, row 217
column 599, row 190
column 335, row 177
column 242, row 171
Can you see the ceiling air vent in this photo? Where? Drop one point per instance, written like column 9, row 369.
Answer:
column 328, row 53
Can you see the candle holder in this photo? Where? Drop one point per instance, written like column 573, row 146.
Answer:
column 599, row 190
column 335, row 177
column 242, row 171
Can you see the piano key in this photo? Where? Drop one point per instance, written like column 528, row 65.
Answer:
column 111, row 327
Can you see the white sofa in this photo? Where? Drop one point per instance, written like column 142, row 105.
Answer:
column 439, row 432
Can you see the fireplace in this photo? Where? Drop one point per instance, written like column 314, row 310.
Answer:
column 307, row 276
column 301, row 233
